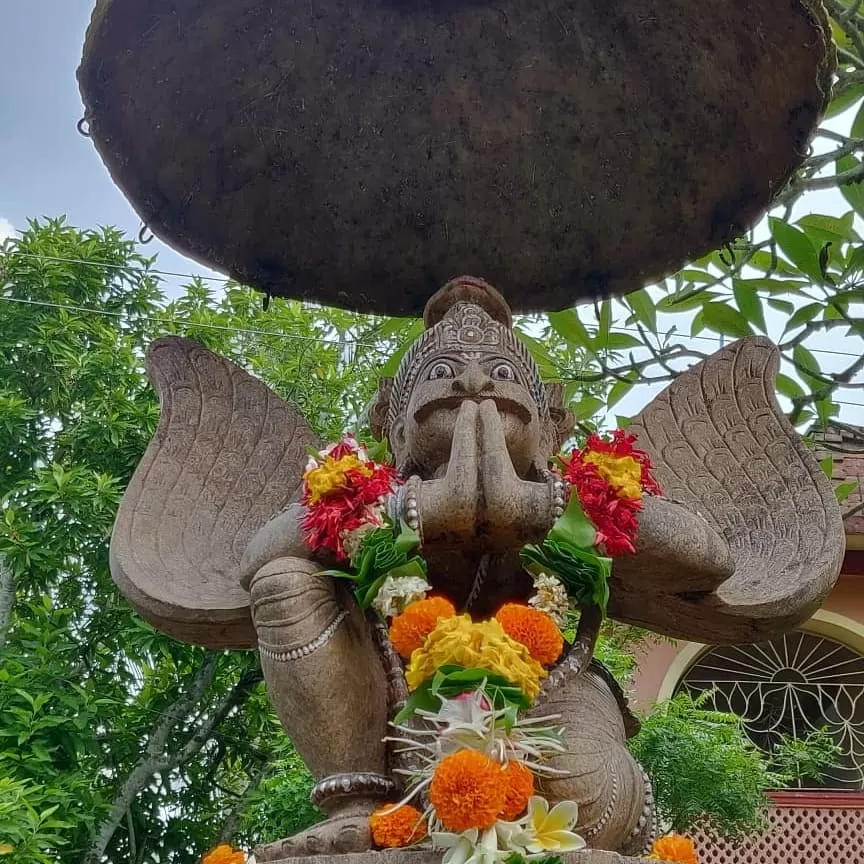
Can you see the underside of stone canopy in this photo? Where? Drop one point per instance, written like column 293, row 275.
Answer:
column 360, row 153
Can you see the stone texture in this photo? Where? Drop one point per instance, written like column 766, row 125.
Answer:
column 362, row 152
column 401, row 856
column 725, row 450
column 228, row 453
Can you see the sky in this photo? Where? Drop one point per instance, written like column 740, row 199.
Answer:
column 48, row 169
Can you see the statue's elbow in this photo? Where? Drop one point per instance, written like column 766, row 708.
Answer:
column 281, row 537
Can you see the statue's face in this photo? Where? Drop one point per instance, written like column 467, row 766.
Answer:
column 443, row 383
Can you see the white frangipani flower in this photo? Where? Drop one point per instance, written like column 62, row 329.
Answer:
column 545, row 830
column 470, row 847
column 397, row 592
column 550, row 596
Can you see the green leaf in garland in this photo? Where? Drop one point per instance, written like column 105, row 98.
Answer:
column 573, row 526
column 452, row 680
column 382, row 555
column 408, row 539
column 338, row 574
column 585, row 574
column 421, row 699
column 518, row 858
column 378, row 554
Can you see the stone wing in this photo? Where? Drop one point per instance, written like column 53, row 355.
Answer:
column 227, row 455
column 749, row 539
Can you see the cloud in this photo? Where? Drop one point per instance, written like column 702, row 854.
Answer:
column 7, row 229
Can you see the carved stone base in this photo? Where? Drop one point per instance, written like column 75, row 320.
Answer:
column 400, row 856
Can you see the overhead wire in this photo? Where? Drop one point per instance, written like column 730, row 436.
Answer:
column 287, row 334
column 225, row 279
column 249, row 331
column 71, row 307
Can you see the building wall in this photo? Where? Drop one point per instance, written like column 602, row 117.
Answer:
column 662, row 664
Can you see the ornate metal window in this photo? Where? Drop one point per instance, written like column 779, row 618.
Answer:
column 793, row 685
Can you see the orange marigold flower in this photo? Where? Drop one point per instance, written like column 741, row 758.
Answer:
column 224, row 854
column 533, row 629
column 520, row 787
column 468, row 790
column 409, row 630
column 394, row 826
column 674, row 848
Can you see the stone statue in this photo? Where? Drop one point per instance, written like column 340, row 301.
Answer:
column 746, row 542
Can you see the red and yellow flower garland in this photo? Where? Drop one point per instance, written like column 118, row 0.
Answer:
column 611, row 477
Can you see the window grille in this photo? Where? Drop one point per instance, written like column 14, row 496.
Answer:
column 793, row 685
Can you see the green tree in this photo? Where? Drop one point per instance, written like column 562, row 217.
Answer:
column 118, row 743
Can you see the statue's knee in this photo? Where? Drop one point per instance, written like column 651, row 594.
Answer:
column 290, row 603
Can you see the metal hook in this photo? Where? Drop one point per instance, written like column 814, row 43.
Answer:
column 83, row 126
column 143, row 233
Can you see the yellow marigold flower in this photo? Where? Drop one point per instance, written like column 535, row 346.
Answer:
column 622, row 473
column 459, row 641
column 468, row 790
column 393, row 827
column 533, row 629
column 675, row 849
column 331, row 476
column 224, row 854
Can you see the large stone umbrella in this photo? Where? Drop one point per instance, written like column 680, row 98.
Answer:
column 361, row 153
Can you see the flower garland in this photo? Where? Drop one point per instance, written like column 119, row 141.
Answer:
column 475, row 758
column 226, row 854
column 345, row 492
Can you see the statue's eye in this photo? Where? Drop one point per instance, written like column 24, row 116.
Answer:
column 504, row 372
column 440, row 370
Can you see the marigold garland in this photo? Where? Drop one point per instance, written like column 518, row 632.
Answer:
column 674, row 848
column 343, row 492
column 533, row 629
column 470, row 679
column 224, row 854
column 459, row 641
column 395, row 826
column 609, row 477
column 409, row 630
column 468, row 790
column 332, row 475
column 520, row 788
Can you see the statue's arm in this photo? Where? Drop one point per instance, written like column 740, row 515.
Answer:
column 281, row 537
column 677, row 551
column 481, row 498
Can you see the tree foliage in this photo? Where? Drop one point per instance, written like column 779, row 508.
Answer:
column 116, row 742
column 706, row 772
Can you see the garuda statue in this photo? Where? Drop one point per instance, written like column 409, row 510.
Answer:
column 744, row 543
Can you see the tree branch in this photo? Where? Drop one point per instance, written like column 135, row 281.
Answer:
column 154, row 759
column 7, row 598
column 233, row 820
